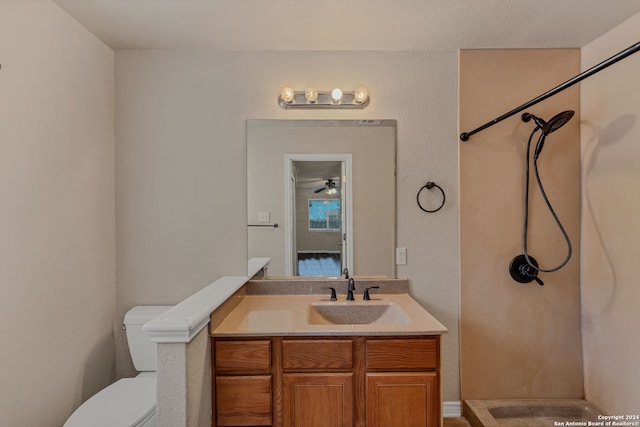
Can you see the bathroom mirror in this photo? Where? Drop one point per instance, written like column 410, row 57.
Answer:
column 329, row 186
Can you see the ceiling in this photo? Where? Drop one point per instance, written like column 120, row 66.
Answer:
column 310, row 174
column 314, row 25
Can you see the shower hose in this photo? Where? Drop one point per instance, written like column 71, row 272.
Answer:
column 546, row 199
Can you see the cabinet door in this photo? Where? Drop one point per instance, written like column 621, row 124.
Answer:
column 402, row 400
column 243, row 401
column 318, row 400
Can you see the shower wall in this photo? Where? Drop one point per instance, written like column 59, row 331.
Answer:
column 518, row 340
column 610, row 227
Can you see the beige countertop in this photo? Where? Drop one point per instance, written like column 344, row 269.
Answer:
column 313, row 314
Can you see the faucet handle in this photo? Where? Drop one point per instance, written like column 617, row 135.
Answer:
column 333, row 293
column 366, row 292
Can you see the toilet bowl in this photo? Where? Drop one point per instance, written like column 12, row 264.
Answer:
column 129, row 402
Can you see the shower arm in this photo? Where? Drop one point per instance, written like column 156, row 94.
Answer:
column 593, row 70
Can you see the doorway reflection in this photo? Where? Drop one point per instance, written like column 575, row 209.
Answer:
column 318, row 236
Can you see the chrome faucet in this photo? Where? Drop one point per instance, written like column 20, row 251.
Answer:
column 351, row 286
column 345, row 273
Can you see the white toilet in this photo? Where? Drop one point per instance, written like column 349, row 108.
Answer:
column 129, row 402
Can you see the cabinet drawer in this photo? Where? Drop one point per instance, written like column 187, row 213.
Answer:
column 317, row 354
column 246, row 357
column 402, row 354
column 243, row 401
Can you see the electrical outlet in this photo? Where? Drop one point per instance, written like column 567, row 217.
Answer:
column 263, row 216
column 401, row 256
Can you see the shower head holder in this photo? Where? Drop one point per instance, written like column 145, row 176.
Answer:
column 528, row 116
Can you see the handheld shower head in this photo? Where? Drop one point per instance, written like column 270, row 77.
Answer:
column 554, row 123
column 557, row 121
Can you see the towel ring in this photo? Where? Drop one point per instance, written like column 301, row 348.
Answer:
column 429, row 185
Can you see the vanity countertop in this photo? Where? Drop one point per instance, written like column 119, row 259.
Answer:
column 311, row 314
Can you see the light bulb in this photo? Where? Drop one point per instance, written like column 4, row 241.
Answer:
column 311, row 94
column 361, row 95
column 336, row 95
column 287, row 94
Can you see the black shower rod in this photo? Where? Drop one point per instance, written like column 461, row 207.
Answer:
column 591, row 71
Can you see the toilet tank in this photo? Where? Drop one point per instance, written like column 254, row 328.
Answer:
column 143, row 351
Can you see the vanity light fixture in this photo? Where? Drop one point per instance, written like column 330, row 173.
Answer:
column 312, row 98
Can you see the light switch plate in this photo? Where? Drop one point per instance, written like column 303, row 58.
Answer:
column 263, row 216
column 401, row 256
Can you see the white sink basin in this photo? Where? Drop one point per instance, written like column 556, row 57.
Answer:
column 356, row 313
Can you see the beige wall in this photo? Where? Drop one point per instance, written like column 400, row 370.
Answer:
column 57, row 257
column 517, row 341
column 610, row 223
column 180, row 165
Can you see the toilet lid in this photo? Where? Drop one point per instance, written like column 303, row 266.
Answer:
column 123, row 404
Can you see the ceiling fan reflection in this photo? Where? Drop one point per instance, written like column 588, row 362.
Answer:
column 329, row 187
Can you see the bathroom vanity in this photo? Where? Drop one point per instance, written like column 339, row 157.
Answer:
column 302, row 360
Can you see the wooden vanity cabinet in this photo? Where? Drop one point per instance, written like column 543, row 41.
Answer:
column 327, row 381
